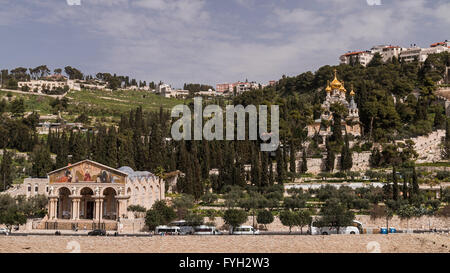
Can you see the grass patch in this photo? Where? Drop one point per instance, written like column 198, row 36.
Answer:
column 122, row 101
column 434, row 164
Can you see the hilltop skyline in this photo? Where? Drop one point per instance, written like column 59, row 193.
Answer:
column 208, row 41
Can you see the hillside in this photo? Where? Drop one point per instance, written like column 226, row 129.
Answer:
column 94, row 103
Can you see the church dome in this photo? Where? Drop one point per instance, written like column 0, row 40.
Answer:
column 342, row 88
column 328, row 89
column 126, row 169
column 335, row 84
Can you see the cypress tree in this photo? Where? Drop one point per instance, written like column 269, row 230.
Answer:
column 271, row 178
column 280, row 167
column 304, row 166
column 197, row 173
column 395, row 184
column 405, row 188
column 264, row 169
column 62, row 155
column 256, row 169
column 330, row 157
column 125, row 148
column 79, row 148
column 346, row 156
column 100, row 148
column 292, row 165
column 415, row 183
column 206, row 159
column 112, row 152
column 6, row 171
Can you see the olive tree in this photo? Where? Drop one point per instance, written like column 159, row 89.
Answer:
column 234, row 217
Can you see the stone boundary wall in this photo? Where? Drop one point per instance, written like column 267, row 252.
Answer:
column 317, row 165
column 424, row 222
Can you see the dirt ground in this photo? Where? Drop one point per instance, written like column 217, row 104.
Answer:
column 394, row 243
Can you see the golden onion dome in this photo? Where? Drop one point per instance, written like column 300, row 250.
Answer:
column 328, row 89
column 342, row 88
column 335, row 84
column 352, row 93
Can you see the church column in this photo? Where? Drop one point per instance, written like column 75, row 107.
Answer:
column 96, row 217
column 78, row 209
column 52, row 207
column 75, row 207
column 101, row 209
column 98, row 208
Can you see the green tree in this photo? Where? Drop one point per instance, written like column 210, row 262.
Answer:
column 289, row 218
column 194, row 219
column 182, row 204
column 346, row 156
column 234, row 217
column 336, row 215
column 264, row 217
column 304, row 166
column 329, row 163
column 159, row 214
column 304, row 219
column 6, row 170
column 18, row 107
column 41, row 160
column 10, row 213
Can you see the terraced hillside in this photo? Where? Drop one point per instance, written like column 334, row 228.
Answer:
column 96, row 104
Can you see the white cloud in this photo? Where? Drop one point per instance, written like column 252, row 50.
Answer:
column 182, row 40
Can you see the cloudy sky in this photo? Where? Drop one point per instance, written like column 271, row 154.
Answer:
column 209, row 41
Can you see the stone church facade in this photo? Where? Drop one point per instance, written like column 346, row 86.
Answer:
column 90, row 195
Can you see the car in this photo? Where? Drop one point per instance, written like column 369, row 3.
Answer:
column 245, row 230
column 97, row 232
column 4, row 231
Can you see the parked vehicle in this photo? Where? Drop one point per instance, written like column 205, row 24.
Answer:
column 167, row 230
column 185, row 228
column 97, row 232
column 245, row 230
column 356, row 228
column 206, row 230
column 4, row 231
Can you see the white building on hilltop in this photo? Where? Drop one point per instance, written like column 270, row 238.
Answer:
column 361, row 57
column 388, row 52
column 166, row 91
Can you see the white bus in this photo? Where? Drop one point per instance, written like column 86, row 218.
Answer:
column 206, row 230
column 167, row 230
column 184, row 226
column 245, row 230
column 355, row 228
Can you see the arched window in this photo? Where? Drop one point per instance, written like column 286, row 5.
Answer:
column 29, row 188
column 36, row 188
